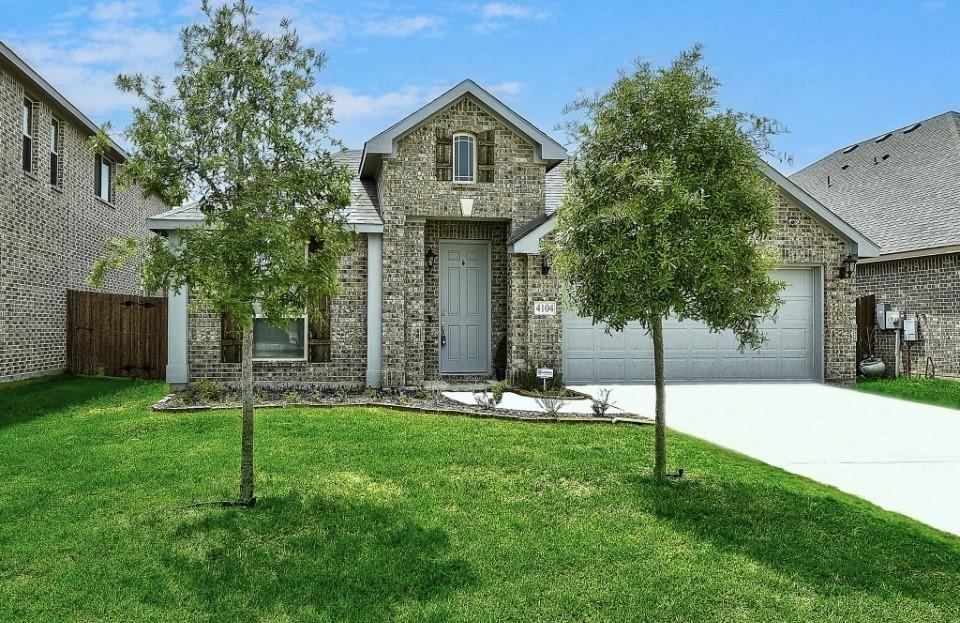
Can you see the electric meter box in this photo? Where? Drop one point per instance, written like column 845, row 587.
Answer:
column 893, row 320
column 911, row 330
column 881, row 315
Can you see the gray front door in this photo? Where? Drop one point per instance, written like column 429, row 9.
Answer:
column 464, row 307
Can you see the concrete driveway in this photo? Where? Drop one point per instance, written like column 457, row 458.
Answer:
column 900, row 455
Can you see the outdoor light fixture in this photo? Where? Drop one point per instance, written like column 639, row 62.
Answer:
column 846, row 268
column 431, row 258
column 544, row 267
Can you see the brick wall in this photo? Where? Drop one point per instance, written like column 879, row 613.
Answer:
column 348, row 337
column 411, row 198
column 802, row 240
column 924, row 287
column 534, row 340
column 50, row 237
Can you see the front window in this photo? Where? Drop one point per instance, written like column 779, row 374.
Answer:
column 286, row 342
column 464, row 158
column 103, row 177
column 27, row 132
column 56, row 179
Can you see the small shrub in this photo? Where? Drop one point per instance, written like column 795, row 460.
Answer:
column 527, row 380
column 291, row 398
column 372, row 393
column 484, row 400
column 551, row 404
column 402, row 398
column 207, row 390
column 601, row 403
column 340, row 395
column 497, row 392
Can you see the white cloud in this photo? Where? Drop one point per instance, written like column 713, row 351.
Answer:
column 122, row 10
column 505, row 10
column 349, row 105
column 403, row 26
column 510, row 87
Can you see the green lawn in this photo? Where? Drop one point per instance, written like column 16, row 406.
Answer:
column 370, row 515
column 942, row 392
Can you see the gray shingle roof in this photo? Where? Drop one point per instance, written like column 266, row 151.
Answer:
column 364, row 210
column 903, row 191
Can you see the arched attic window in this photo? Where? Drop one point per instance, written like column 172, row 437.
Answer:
column 464, row 158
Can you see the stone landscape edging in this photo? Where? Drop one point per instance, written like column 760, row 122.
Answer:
column 504, row 414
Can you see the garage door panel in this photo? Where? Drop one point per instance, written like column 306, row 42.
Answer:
column 692, row 352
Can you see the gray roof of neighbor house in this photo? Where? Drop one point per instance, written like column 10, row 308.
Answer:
column 901, row 188
column 35, row 83
column 363, row 213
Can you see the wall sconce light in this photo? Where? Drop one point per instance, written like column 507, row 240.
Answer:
column 544, row 267
column 846, row 268
column 431, row 258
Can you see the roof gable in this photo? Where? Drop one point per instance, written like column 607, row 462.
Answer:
column 546, row 149
column 527, row 238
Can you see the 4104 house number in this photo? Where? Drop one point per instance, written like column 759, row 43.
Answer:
column 544, row 308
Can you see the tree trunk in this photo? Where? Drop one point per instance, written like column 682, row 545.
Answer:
column 660, row 429
column 246, row 438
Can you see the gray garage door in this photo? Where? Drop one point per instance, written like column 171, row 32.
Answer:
column 693, row 353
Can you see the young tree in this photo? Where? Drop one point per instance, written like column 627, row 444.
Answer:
column 242, row 132
column 666, row 212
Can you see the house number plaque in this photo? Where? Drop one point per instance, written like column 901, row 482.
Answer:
column 544, row 308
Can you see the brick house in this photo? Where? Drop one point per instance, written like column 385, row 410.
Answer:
column 446, row 282
column 58, row 204
column 902, row 188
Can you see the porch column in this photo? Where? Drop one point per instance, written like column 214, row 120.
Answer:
column 374, row 308
column 178, row 372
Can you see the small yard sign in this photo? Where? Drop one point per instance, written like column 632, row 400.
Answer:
column 544, row 308
column 544, row 373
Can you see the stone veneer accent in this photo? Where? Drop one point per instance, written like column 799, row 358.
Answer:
column 411, row 197
column 50, row 237
column 924, row 287
column 348, row 337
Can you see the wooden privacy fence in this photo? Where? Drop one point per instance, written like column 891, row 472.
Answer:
column 116, row 334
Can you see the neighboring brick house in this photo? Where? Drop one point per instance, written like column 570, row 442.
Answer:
column 58, row 204
column 902, row 188
column 446, row 283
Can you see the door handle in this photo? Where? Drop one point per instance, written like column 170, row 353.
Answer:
column 443, row 337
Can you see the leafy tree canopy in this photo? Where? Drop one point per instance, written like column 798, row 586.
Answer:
column 241, row 131
column 666, row 210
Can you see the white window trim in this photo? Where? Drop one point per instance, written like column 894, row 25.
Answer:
column 306, row 340
column 29, row 104
column 473, row 142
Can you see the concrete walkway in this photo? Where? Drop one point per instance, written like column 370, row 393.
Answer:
column 900, row 455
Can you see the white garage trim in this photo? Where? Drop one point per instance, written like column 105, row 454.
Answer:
column 694, row 354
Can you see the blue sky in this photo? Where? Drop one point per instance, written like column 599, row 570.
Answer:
column 831, row 72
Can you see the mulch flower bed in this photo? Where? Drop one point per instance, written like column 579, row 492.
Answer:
column 211, row 396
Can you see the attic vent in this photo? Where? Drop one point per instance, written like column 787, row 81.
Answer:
column 884, row 156
column 912, row 128
column 884, row 137
column 851, row 148
column 845, row 167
